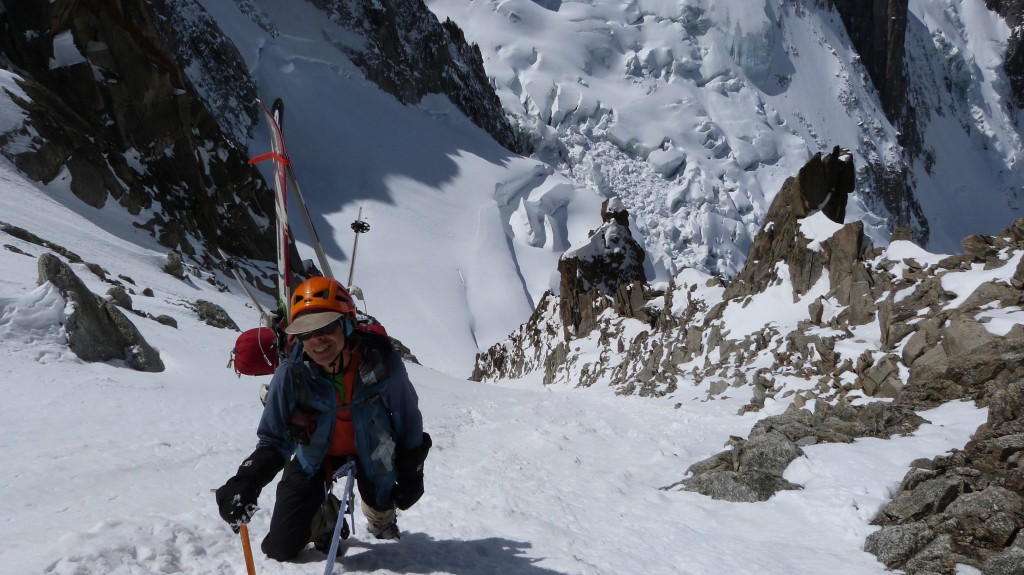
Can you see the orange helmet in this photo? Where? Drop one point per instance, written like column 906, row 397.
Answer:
column 322, row 294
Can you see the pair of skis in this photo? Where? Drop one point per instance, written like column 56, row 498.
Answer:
column 283, row 174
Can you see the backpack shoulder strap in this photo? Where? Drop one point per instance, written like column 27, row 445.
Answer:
column 376, row 353
column 301, row 385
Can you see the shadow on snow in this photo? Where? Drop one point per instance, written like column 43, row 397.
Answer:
column 420, row 553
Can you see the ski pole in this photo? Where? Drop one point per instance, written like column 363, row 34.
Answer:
column 359, row 227
column 317, row 246
column 346, row 502
column 247, row 549
column 229, row 262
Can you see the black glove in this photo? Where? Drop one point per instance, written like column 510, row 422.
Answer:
column 409, row 464
column 236, row 499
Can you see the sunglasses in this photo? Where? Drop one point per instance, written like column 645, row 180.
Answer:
column 325, row 330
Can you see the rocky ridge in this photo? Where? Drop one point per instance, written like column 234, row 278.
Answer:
column 821, row 319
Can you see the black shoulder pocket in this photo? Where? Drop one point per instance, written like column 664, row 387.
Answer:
column 302, row 422
column 301, row 425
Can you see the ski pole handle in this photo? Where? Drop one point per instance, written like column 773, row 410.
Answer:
column 247, row 549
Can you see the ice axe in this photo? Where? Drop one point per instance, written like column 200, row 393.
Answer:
column 243, row 530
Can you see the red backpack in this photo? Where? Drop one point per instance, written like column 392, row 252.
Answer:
column 255, row 352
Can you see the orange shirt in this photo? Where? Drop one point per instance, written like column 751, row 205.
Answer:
column 343, row 438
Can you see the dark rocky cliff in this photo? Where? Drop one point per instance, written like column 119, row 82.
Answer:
column 1013, row 12
column 107, row 99
column 877, row 29
column 410, row 54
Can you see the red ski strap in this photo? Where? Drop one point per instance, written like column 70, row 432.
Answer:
column 270, row 156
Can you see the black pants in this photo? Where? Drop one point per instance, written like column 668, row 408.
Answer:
column 299, row 496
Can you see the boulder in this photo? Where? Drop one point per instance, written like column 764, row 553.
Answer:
column 174, row 266
column 213, row 315
column 739, row 486
column 883, row 379
column 120, row 297
column 896, row 544
column 1008, row 562
column 96, row 328
column 927, row 498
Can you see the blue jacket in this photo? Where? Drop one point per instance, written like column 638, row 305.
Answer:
column 385, row 413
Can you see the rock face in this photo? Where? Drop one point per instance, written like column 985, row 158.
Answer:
column 409, row 54
column 97, row 330
column 877, row 30
column 933, row 345
column 210, row 62
column 1013, row 12
column 966, row 506
column 106, row 99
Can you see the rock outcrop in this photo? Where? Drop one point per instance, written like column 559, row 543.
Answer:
column 752, row 469
column 824, row 185
column 610, row 264
column 606, row 272
column 96, row 328
column 966, row 506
